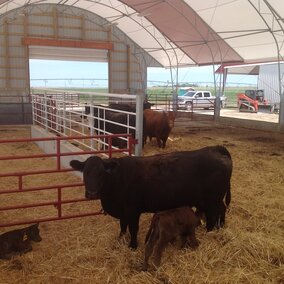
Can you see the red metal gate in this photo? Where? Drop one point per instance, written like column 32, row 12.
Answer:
column 59, row 202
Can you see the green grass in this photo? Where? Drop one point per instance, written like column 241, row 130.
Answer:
column 160, row 94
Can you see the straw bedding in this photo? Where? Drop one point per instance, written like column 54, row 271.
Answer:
column 250, row 249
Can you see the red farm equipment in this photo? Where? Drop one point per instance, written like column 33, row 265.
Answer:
column 252, row 101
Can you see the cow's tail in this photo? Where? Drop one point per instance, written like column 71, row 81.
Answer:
column 77, row 165
column 152, row 232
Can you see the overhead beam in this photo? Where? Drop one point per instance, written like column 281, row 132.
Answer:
column 67, row 43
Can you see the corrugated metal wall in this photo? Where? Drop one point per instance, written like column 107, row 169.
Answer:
column 268, row 80
column 127, row 62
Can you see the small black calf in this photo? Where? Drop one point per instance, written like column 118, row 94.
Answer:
column 18, row 241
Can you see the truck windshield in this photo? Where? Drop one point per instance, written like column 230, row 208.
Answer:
column 190, row 94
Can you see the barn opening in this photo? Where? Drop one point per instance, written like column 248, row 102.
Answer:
column 72, row 68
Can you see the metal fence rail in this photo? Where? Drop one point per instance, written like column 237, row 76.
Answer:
column 64, row 113
column 58, row 155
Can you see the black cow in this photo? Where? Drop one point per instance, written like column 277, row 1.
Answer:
column 130, row 107
column 114, row 117
column 119, row 106
column 18, row 241
column 129, row 186
column 105, row 120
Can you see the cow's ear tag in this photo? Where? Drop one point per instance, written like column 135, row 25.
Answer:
column 25, row 237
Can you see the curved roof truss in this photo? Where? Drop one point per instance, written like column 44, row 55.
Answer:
column 180, row 33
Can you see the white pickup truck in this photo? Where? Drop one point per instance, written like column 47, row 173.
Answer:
column 199, row 99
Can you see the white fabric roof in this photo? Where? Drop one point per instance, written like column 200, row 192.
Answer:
column 191, row 32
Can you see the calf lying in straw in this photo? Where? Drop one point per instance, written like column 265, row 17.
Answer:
column 18, row 241
column 167, row 226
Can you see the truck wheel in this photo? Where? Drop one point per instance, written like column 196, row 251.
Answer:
column 189, row 106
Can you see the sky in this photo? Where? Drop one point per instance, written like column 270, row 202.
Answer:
column 55, row 73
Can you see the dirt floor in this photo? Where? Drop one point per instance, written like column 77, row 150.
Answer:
column 250, row 249
column 262, row 115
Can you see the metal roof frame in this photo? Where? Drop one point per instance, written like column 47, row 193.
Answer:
column 180, row 33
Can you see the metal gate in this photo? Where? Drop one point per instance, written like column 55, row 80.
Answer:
column 17, row 185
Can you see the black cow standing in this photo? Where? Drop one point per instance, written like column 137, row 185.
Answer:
column 129, row 186
column 108, row 119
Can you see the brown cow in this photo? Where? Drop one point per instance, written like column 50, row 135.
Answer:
column 156, row 125
column 18, row 241
column 167, row 226
column 172, row 116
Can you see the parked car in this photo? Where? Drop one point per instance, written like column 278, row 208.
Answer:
column 198, row 99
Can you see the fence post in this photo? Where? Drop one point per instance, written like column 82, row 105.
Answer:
column 217, row 106
column 33, row 106
column 59, row 202
column 58, row 151
column 64, row 114
column 45, row 110
column 92, row 122
column 139, row 124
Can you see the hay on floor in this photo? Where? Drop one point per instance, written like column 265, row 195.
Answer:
column 250, row 249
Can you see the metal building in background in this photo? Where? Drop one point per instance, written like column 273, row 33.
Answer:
column 268, row 80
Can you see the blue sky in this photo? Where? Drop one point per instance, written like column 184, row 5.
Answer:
column 95, row 74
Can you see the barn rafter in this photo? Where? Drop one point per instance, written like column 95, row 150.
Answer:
column 176, row 33
column 197, row 32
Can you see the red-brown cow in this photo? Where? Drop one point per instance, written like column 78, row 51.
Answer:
column 167, row 226
column 156, row 125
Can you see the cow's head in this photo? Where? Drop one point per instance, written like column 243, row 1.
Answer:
column 33, row 233
column 95, row 173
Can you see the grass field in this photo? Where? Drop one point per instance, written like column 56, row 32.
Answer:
column 162, row 94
